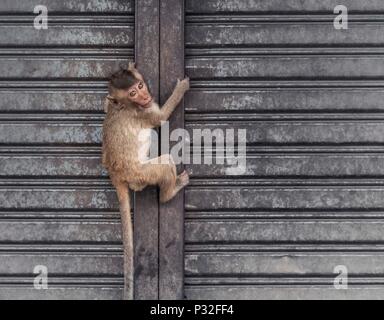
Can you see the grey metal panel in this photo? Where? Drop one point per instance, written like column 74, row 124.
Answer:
column 310, row 98
column 51, row 197
column 89, row 6
column 284, row 100
column 84, row 67
column 275, row 132
column 331, row 66
column 302, row 132
column 67, row 263
column 60, row 34
column 62, row 292
column 284, row 231
column 49, row 133
column 46, row 231
column 48, row 165
column 57, row 100
column 281, row 292
column 288, row 263
column 264, row 197
column 300, row 165
column 292, row 33
column 57, row 207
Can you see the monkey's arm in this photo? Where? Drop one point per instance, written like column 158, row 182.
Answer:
column 165, row 112
column 135, row 72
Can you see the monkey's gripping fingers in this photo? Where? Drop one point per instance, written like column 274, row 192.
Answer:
column 132, row 66
column 183, row 84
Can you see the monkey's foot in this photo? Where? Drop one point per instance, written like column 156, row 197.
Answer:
column 182, row 179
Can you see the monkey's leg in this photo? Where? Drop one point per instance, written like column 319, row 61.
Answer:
column 127, row 232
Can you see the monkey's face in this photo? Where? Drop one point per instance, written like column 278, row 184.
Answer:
column 139, row 94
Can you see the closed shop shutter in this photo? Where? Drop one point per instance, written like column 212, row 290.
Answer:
column 57, row 208
column 311, row 200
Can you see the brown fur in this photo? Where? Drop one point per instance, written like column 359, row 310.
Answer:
column 121, row 146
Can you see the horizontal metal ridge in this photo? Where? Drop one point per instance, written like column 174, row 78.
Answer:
column 190, row 60
column 68, row 215
column 80, row 281
column 293, row 149
column 75, row 122
column 92, row 84
column 311, row 149
column 50, row 150
column 95, row 120
column 278, row 18
column 248, row 122
column 283, row 221
column 245, row 51
column 96, row 150
column 34, row 149
column 254, row 182
column 212, row 249
column 243, row 181
column 195, row 116
column 63, row 249
column 64, row 84
column 62, row 222
column 42, row 186
column 73, row 19
column 66, row 52
column 279, row 86
column 346, row 83
column 325, row 280
column 306, row 115
column 53, row 116
column 285, row 214
column 59, row 182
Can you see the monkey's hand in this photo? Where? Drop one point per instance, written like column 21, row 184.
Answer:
column 183, row 84
column 132, row 66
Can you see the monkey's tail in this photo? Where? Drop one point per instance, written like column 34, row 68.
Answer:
column 127, row 231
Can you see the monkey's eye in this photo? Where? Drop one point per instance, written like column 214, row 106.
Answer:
column 140, row 85
column 132, row 93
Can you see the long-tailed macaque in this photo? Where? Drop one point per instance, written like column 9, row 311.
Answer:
column 130, row 109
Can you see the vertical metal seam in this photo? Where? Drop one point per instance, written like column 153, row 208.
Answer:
column 158, row 198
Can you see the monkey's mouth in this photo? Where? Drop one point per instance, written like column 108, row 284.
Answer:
column 147, row 103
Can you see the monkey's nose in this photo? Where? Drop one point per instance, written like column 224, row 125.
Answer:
column 143, row 96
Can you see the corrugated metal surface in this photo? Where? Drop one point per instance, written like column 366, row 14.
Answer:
column 57, row 207
column 312, row 197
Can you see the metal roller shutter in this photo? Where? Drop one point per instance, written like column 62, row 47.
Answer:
column 312, row 198
column 57, row 208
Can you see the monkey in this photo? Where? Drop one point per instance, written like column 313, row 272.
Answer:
column 131, row 109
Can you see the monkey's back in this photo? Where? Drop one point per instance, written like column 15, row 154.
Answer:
column 120, row 142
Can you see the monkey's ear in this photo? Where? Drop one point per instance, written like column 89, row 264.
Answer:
column 111, row 98
column 108, row 100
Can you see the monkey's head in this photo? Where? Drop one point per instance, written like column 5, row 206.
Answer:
column 124, row 87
